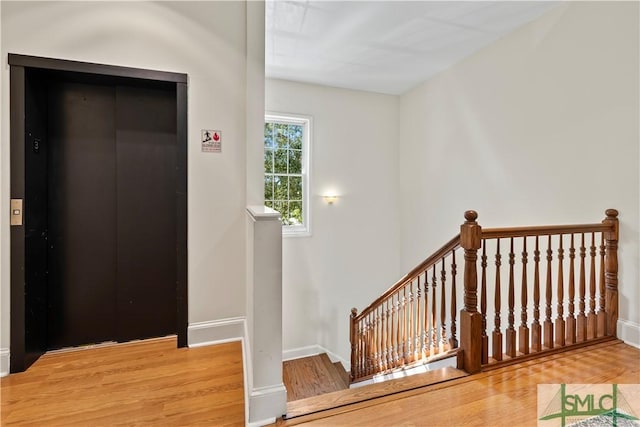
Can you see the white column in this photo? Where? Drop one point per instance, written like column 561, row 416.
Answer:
column 267, row 396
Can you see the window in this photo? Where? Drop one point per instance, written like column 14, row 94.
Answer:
column 286, row 170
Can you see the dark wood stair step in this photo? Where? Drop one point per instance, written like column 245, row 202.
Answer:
column 310, row 376
column 316, row 405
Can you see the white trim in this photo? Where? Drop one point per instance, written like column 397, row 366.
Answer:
column 300, row 352
column 247, row 371
column 216, row 332
column 629, row 332
column 4, row 362
column 264, row 400
column 314, row 350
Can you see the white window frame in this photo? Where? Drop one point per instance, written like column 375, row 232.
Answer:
column 304, row 229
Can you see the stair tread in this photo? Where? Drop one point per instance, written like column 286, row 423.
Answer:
column 343, row 373
column 310, row 376
column 355, row 395
column 333, row 371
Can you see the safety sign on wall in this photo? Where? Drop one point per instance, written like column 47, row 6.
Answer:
column 211, row 141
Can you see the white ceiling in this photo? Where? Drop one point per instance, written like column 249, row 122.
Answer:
column 383, row 46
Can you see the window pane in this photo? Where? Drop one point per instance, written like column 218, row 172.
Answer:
column 295, row 161
column 282, row 140
column 269, row 203
column 280, row 161
column 268, row 161
column 281, row 188
column 295, row 137
column 295, row 212
column 268, row 187
column 295, row 188
column 268, row 135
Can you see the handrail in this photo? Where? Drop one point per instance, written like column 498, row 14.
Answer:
column 451, row 245
column 498, row 233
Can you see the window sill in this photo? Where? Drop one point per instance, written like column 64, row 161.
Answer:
column 293, row 231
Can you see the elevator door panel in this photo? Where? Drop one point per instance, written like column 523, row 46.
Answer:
column 81, row 214
column 146, row 214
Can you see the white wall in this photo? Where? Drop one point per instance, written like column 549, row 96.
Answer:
column 352, row 255
column 541, row 127
column 207, row 41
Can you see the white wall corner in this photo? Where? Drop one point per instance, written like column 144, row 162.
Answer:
column 335, row 358
column 216, row 332
column 4, row 362
column 300, row 352
column 629, row 332
column 264, row 402
column 314, row 350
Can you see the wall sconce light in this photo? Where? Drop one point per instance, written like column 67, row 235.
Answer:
column 330, row 199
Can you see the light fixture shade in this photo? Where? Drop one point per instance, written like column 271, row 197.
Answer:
column 330, row 199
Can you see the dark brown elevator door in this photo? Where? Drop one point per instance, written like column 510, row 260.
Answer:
column 112, row 211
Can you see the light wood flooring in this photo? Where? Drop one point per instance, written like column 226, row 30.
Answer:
column 505, row 396
column 145, row 383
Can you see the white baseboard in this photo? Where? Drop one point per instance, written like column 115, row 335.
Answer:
column 300, row 352
column 216, row 332
column 313, row 350
column 629, row 332
column 264, row 402
column 4, row 362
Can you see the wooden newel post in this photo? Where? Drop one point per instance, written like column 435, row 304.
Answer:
column 611, row 272
column 470, row 318
column 352, row 339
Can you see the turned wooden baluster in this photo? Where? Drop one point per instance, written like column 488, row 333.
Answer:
column 411, row 332
column 496, row 337
column 581, row 327
column 523, row 331
column 453, row 341
column 611, row 272
column 548, row 324
column 470, row 318
column 399, row 317
column 571, row 318
column 511, row 332
column 426, row 351
column 383, row 336
column 394, row 331
column 592, row 324
column 560, row 323
column 390, row 363
column 483, row 304
column 404, row 325
column 419, row 322
column 352, row 339
column 378, row 354
column 536, row 333
column 434, row 323
column 602, row 316
column 443, row 307
column 370, row 327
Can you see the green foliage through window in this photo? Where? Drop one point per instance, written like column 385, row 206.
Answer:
column 283, row 161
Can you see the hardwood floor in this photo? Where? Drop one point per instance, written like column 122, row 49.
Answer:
column 311, row 376
column 143, row 383
column 502, row 397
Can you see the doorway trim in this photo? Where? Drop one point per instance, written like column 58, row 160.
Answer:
column 18, row 64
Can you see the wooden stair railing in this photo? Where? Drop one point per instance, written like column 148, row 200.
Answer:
column 413, row 321
column 555, row 282
column 416, row 319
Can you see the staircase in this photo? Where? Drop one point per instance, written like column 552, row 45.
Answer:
column 416, row 322
column 317, row 388
column 313, row 376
